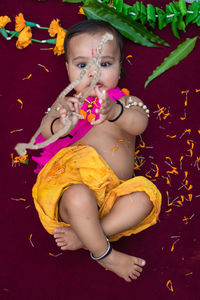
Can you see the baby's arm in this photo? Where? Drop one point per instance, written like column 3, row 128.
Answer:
column 57, row 119
column 133, row 120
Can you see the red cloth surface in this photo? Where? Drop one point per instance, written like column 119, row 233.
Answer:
column 29, row 272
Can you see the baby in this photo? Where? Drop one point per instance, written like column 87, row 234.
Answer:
column 85, row 194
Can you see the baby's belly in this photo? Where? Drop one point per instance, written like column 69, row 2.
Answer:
column 120, row 160
column 116, row 149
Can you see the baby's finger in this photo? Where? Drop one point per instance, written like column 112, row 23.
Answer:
column 63, row 119
column 79, row 95
column 77, row 107
column 99, row 93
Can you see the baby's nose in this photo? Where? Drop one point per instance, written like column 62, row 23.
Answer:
column 91, row 72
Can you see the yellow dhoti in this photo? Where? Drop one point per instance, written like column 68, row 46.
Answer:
column 82, row 164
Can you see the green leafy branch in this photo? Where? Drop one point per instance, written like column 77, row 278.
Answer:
column 176, row 13
column 174, row 58
column 132, row 30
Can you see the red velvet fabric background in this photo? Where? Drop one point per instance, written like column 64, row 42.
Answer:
column 29, row 273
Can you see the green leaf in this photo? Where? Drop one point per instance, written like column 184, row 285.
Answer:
column 161, row 18
column 170, row 14
column 130, row 29
column 197, row 21
column 181, row 23
column 174, row 10
column 135, row 10
column 194, row 8
column 174, row 58
column 125, row 9
column 143, row 14
column 174, row 28
column 151, row 16
column 118, row 5
column 182, row 7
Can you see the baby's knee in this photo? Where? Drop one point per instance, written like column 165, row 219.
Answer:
column 77, row 196
column 146, row 200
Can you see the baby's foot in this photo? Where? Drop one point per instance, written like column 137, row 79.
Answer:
column 67, row 239
column 125, row 266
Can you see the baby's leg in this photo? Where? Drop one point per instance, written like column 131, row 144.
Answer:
column 127, row 212
column 78, row 205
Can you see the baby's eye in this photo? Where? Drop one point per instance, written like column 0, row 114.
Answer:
column 81, row 65
column 105, row 64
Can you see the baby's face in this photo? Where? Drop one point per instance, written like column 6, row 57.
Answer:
column 81, row 49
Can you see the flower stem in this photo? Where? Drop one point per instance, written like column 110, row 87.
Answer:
column 43, row 27
column 37, row 41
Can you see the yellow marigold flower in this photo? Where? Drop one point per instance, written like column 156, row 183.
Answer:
column 20, row 22
column 81, row 11
column 59, row 48
column 24, row 38
column 54, row 27
column 4, row 20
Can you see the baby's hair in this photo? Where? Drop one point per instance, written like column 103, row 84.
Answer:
column 94, row 26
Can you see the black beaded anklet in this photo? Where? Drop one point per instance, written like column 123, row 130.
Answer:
column 121, row 112
column 107, row 252
column 51, row 128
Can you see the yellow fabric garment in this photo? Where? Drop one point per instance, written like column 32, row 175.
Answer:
column 82, row 164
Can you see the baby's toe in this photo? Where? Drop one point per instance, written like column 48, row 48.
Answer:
column 140, row 262
column 133, row 276
column 61, row 244
column 136, row 273
column 127, row 278
column 59, row 230
column 64, row 247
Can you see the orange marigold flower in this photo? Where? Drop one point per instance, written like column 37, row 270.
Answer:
column 59, row 48
column 125, row 91
column 54, row 27
column 19, row 22
column 4, row 20
column 81, row 12
column 24, row 38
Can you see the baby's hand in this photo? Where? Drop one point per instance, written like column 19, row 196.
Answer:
column 107, row 106
column 70, row 108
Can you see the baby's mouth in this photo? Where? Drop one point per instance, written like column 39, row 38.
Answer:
column 100, row 85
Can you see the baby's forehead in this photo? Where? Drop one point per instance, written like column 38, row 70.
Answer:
column 90, row 39
column 81, row 36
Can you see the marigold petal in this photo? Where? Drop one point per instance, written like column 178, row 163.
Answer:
column 19, row 22
column 24, row 38
column 59, row 48
column 91, row 117
column 4, row 20
column 125, row 91
column 81, row 11
column 54, row 27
